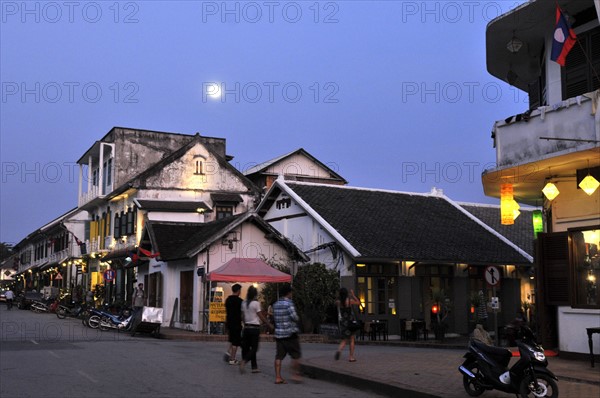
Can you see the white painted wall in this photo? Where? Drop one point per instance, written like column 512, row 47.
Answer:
column 572, row 335
column 306, row 233
column 298, row 164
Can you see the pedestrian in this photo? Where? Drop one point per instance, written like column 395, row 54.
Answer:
column 479, row 333
column 89, row 299
column 346, row 316
column 233, row 322
column 286, row 334
column 253, row 315
column 139, row 298
column 513, row 329
column 10, row 296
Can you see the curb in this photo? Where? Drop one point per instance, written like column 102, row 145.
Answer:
column 361, row 384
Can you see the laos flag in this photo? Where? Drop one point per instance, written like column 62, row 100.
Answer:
column 563, row 40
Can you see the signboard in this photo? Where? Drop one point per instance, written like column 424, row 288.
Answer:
column 492, row 275
column 109, row 275
column 58, row 277
column 495, row 303
column 217, row 312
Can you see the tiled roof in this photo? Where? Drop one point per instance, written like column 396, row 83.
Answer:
column 175, row 240
column 521, row 233
column 390, row 225
column 226, row 197
column 169, row 205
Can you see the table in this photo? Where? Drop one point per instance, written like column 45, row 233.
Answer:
column 590, row 332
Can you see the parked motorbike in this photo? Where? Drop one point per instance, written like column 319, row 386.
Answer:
column 92, row 320
column 486, row 368
column 123, row 321
column 76, row 311
column 48, row 305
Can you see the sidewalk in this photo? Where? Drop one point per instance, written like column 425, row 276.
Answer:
column 411, row 369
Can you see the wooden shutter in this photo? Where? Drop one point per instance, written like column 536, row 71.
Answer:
column 579, row 76
column 553, row 268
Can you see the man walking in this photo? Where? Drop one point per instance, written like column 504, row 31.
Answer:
column 10, row 296
column 233, row 321
column 286, row 334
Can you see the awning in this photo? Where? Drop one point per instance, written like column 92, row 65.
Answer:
column 247, row 270
column 120, row 253
column 226, row 198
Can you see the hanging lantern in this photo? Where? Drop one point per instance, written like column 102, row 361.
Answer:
column 550, row 191
column 538, row 222
column 515, row 209
column 506, row 205
column 589, row 184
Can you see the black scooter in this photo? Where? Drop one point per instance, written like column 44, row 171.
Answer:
column 76, row 311
column 486, row 368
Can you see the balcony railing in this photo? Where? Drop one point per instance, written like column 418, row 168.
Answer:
column 570, row 125
column 87, row 197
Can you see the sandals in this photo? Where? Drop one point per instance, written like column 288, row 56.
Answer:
column 280, row 381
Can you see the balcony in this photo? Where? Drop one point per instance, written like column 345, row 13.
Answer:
column 519, row 142
column 553, row 141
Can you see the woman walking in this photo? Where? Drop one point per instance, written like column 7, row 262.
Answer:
column 252, row 316
column 346, row 316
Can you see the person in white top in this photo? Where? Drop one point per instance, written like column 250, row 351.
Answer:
column 10, row 296
column 252, row 315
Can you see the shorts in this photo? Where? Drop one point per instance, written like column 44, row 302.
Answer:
column 289, row 345
column 235, row 336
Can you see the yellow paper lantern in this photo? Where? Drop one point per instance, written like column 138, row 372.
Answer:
column 550, row 191
column 589, row 184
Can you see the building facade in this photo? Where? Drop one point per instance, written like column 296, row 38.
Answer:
column 403, row 253
column 546, row 152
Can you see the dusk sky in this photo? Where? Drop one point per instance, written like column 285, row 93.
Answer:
column 391, row 94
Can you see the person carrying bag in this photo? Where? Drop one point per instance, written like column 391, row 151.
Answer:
column 348, row 323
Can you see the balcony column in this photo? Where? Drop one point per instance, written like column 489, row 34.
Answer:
column 89, row 190
column 80, row 185
column 101, row 171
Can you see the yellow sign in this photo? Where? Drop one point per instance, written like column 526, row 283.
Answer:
column 217, row 312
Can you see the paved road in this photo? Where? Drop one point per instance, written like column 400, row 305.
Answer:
column 42, row 356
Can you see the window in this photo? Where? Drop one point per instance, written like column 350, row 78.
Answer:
column 224, row 211
column 107, row 172
column 376, row 294
column 198, row 165
column 117, row 231
column 95, row 178
column 130, row 222
column 579, row 76
column 123, row 221
column 585, row 267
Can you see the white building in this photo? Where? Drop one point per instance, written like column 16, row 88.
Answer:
column 556, row 140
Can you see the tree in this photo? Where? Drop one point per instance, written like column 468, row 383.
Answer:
column 315, row 292
column 6, row 250
column 269, row 292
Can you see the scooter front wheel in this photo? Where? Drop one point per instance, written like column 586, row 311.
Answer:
column 472, row 386
column 61, row 313
column 543, row 386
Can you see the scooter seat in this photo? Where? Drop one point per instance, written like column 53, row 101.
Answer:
column 499, row 355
